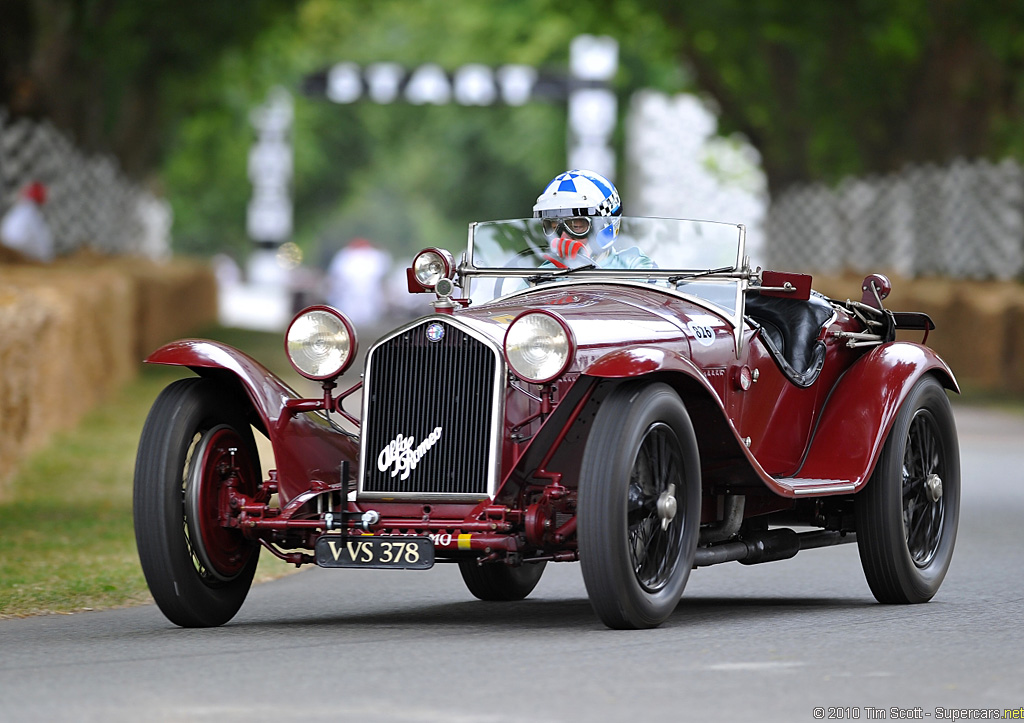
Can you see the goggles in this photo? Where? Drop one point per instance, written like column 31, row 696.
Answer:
column 574, row 226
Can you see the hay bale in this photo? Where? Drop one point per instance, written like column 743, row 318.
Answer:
column 74, row 331
column 19, row 321
column 978, row 331
column 173, row 298
column 1013, row 353
column 68, row 340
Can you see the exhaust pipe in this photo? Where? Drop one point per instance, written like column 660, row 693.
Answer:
column 769, row 546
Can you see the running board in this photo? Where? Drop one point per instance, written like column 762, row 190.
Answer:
column 768, row 546
column 800, row 486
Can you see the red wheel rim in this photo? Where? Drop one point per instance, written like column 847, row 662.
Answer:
column 219, row 551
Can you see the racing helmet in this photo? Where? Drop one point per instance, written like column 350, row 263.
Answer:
column 581, row 203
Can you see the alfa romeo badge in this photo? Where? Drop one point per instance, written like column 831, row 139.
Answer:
column 435, row 332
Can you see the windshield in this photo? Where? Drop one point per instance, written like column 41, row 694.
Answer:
column 692, row 257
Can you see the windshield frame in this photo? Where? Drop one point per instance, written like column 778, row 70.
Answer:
column 739, row 272
column 739, row 262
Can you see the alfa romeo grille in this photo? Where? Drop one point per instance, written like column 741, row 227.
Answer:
column 429, row 414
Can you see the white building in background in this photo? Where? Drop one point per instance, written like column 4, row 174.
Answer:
column 677, row 167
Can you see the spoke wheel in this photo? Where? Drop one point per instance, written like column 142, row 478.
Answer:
column 639, row 506
column 907, row 515
column 923, row 503
column 196, row 445
column 652, row 524
column 499, row 582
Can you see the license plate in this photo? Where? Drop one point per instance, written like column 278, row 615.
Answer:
column 402, row 553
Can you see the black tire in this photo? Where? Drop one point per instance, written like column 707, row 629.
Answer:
column 198, row 571
column 497, row 582
column 635, row 554
column 907, row 514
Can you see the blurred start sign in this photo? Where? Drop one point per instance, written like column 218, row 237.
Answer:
column 269, row 215
column 473, row 84
column 592, row 106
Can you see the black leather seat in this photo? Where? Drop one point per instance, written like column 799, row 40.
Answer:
column 790, row 329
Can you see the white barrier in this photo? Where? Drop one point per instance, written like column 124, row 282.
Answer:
column 90, row 203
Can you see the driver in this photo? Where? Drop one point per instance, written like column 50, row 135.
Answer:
column 580, row 215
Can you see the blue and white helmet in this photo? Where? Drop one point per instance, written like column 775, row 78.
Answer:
column 583, row 193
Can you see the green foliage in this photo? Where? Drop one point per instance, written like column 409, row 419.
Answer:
column 826, row 89
column 404, row 176
column 210, row 181
column 822, row 89
column 115, row 75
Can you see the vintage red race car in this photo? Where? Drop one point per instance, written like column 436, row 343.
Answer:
column 658, row 408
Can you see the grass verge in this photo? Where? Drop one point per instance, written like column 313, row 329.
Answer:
column 66, row 541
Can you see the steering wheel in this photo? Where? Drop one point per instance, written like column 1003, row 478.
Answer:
column 513, row 263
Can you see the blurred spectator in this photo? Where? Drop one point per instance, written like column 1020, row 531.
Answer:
column 23, row 227
column 403, row 306
column 227, row 270
column 355, row 281
column 306, row 287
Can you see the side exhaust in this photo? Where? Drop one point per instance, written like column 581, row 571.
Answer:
column 769, row 546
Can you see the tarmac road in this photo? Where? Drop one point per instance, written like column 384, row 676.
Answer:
column 763, row 643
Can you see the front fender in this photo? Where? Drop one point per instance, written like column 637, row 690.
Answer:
column 307, row 447
column 642, row 360
column 862, row 407
column 638, row 360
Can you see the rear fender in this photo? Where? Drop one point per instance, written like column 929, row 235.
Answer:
column 307, row 447
column 862, row 407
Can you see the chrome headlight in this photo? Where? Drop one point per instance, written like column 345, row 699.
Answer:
column 432, row 265
column 320, row 343
column 539, row 346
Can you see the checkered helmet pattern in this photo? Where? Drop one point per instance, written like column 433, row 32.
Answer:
column 578, row 193
column 581, row 193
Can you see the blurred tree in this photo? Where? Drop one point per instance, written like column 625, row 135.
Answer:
column 827, row 89
column 822, row 89
column 168, row 87
column 116, row 76
column 404, row 176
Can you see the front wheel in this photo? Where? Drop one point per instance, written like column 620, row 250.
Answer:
column 195, row 446
column 907, row 515
column 639, row 506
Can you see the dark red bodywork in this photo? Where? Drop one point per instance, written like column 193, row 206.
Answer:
column 760, row 435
